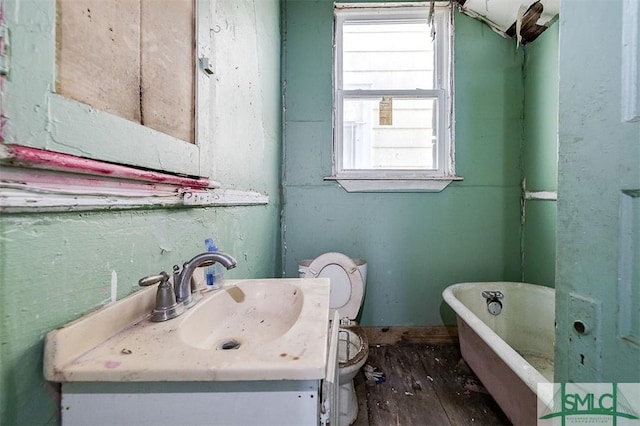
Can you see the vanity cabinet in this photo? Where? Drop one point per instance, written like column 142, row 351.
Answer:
column 264, row 402
column 116, row 366
column 192, row 403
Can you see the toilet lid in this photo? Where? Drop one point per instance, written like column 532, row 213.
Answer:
column 347, row 288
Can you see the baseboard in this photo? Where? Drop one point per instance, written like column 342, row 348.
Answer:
column 403, row 335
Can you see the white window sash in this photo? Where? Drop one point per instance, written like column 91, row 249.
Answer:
column 442, row 92
column 439, row 95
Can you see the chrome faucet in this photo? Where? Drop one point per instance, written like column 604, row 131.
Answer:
column 182, row 278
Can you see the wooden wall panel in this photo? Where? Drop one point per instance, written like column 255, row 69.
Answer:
column 167, row 67
column 98, row 59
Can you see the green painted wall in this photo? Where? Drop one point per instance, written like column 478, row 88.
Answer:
column 540, row 156
column 416, row 243
column 56, row 267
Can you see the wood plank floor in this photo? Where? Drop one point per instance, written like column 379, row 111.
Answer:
column 425, row 385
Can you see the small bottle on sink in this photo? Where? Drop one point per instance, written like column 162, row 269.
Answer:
column 213, row 274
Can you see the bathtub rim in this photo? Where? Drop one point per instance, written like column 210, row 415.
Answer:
column 520, row 366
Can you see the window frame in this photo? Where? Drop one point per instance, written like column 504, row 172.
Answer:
column 398, row 179
column 40, row 118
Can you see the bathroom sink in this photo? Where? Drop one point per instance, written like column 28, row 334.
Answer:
column 244, row 315
column 260, row 329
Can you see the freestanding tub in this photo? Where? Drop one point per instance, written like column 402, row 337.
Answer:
column 511, row 352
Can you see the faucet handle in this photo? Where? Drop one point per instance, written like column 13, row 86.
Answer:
column 153, row 279
column 492, row 294
column 166, row 305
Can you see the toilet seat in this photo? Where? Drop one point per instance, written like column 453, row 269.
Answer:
column 347, row 287
column 362, row 347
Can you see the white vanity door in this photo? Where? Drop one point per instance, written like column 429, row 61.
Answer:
column 196, row 403
column 331, row 400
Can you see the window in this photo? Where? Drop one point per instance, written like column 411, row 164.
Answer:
column 393, row 97
column 107, row 105
column 66, row 123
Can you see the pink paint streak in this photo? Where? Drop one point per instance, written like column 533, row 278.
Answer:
column 112, row 364
column 50, row 160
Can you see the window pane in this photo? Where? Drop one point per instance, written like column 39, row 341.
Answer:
column 388, row 55
column 389, row 133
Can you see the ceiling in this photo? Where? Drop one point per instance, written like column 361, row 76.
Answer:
column 524, row 20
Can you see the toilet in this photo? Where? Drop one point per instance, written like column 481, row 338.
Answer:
column 348, row 280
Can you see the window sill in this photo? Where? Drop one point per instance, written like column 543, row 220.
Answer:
column 37, row 191
column 41, row 181
column 394, row 185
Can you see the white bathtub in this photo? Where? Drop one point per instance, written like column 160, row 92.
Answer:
column 510, row 352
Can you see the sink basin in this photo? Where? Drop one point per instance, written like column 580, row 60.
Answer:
column 261, row 329
column 243, row 315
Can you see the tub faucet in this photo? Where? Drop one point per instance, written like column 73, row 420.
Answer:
column 182, row 278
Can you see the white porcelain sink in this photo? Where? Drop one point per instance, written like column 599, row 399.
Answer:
column 263, row 329
column 243, row 315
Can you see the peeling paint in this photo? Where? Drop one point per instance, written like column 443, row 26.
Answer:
column 114, row 286
column 50, row 160
column 524, row 20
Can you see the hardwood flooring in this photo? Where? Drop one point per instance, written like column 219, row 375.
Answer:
column 425, row 385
